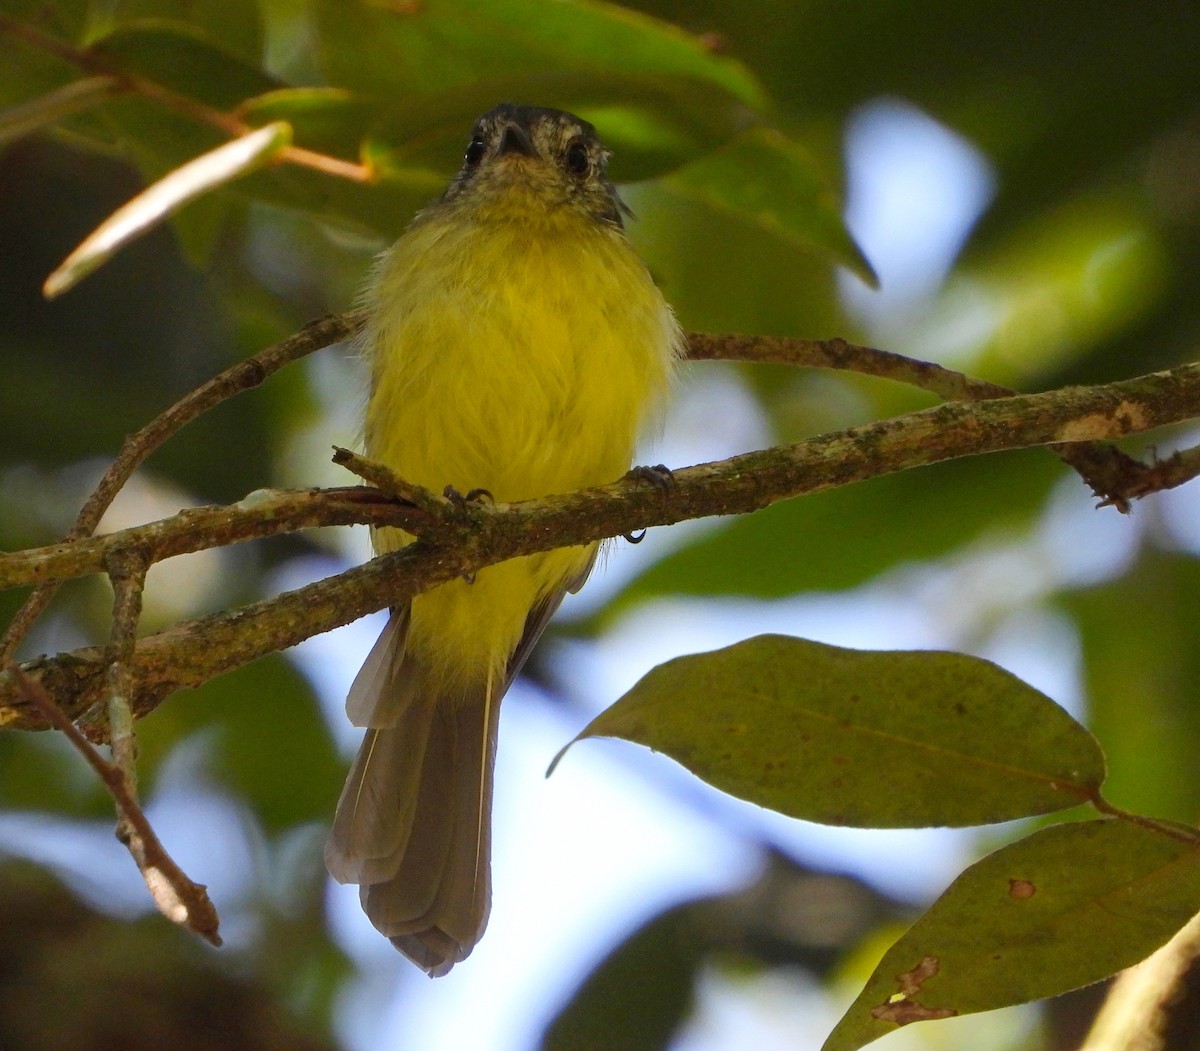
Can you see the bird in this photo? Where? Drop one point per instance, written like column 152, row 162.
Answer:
column 517, row 347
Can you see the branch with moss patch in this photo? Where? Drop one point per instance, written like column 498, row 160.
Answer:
column 459, row 541
column 1114, row 477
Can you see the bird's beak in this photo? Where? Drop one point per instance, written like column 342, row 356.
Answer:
column 516, row 140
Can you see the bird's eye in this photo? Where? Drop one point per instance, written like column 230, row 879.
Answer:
column 476, row 148
column 576, row 159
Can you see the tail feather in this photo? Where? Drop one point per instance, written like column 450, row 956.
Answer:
column 378, row 694
column 413, row 823
column 376, row 813
column 440, row 896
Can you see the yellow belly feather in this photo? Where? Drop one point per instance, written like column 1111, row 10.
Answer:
column 520, row 352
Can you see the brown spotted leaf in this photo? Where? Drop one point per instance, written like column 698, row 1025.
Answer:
column 1063, row 908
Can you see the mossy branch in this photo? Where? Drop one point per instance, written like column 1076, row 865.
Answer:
column 456, row 541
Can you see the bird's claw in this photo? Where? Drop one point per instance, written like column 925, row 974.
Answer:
column 473, row 496
column 660, row 476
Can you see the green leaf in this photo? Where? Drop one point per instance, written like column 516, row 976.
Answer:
column 440, row 45
column 48, row 109
column 638, row 996
column 235, row 23
column 768, row 181
column 776, row 286
column 29, row 70
column 65, row 19
column 1063, row 908
column 1058, row 287
column 657, row 94
column 383, row 208
column 179, row 57
column 329, row 120
column 652, row 124
column 805, row 729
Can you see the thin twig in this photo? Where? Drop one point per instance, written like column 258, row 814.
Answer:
column 177, row 897
column 1174, row 471
column 1113, row 476
column 127, row 570
column 848, row 357
column 263, row 513
column 1171, row 829
column 391, row 484
column 242, row 376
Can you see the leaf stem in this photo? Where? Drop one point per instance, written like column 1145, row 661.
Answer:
column 1175, row 830
column 92, row 62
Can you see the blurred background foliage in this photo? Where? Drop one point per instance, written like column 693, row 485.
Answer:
column 1024, row 179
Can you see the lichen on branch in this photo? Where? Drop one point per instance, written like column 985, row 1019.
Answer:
column 456, row 541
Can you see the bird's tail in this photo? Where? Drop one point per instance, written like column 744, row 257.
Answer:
column 413, row 825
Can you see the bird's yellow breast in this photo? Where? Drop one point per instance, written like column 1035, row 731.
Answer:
column 517, row 348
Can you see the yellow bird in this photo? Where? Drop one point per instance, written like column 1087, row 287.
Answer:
column 517, row 345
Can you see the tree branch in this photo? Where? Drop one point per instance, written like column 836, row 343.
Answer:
column 461, row 540
column 127, row 567
column 1112, row 476
column 242, row 376
column 177, row 897
column 263, row 513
